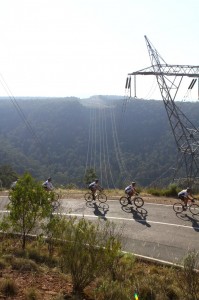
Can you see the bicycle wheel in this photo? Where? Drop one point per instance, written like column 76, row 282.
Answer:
column 88, row 197
column 194, row 209
column 102, row 197
column 55, row 205
column 178, row 207
column 124, row 201
column 138, row 201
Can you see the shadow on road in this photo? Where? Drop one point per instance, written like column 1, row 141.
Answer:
column 99, row 209
column 194, row 219
column 139, row 214
column 195, row 222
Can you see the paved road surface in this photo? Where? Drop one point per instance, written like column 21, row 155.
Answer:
column 154, row 231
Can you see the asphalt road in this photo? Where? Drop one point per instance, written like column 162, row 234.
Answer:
column 154, row 231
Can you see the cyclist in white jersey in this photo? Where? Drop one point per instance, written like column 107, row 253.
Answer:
column 130, row 190
column 186, row 195
column 47, row 185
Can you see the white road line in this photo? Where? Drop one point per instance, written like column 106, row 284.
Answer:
column 131, row 220
column 158, row 204
column 127, row 219
column 121, row 219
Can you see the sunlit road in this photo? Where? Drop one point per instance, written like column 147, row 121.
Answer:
column 153, row 231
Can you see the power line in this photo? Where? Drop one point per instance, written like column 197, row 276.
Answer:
column 21, row 113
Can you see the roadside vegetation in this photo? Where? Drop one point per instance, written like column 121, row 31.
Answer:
column 50, row 256
column 74, row 269
column 171, row 191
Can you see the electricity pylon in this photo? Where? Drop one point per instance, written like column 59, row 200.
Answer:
column 169, row 78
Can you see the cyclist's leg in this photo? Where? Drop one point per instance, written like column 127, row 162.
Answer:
column 183, row 199
column 93, row 191
column 129, row 195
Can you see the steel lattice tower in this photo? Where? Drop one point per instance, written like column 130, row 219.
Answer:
column 169, row 78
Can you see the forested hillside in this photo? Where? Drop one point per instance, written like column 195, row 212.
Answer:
column 65, row 137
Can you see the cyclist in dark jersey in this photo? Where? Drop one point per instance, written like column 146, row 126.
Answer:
column 94, row 186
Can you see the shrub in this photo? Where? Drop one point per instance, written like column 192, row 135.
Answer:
column 188, row 278
column 155, row 191
column 8, row 288
column 120, row 267
column 112, row 290
column 8, row 258
column 171, row 191
column 89, row 251
column 39, row 258
column 31, row 294
column 172, row 294
column 24, row 265
column 2, row 264
column 146, row 293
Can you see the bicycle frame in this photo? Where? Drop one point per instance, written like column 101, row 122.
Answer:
column 99, row 195
column 136, row 200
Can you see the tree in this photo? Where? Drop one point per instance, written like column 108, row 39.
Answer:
column 29, row 204
column 90, row 176
column 7, row 175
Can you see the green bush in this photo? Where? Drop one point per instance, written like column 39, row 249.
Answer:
column 171, row 191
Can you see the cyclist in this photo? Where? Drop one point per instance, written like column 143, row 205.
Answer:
column 94, row 186
column 13, row 184
column 130, row 190
column 186, row 195
column 47, row 185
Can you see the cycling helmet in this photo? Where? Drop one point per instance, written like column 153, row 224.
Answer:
column 133, row 182
column 96, row 180
column 188, row 189
column 49, row 178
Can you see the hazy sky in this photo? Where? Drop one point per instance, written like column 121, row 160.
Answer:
column 87, row 47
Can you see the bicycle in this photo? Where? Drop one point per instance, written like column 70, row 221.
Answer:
column 136, row 200
column 178, row 207
column 100, row 196
column 55, row 202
